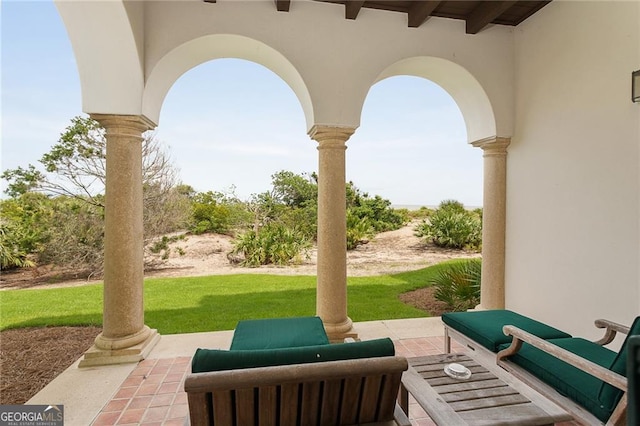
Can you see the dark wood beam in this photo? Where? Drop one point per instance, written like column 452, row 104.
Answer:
column 484, row 13
column 209, row 1
column 352, row 8
column 420, row 12
column 283, row 5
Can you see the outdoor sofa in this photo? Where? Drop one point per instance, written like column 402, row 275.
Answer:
column 584, row 377
column 285, row 372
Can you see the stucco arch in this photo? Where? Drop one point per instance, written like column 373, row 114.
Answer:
column 195, row 52
column 107, row 42
column 463, row 87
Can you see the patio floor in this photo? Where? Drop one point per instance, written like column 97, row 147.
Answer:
column 151, row 392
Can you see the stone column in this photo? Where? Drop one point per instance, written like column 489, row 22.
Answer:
column 492, row 291
column 331, row 302
column 124, row 337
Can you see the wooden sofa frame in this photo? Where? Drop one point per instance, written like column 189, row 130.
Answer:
column 357, row 391
column 618, row 418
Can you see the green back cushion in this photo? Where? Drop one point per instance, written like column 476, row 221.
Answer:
column 572, row 382
column 610, row 395
column 279, row 333
column 217, row 360
column 485, row 327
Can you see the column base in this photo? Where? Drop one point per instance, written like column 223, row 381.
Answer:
column 96, row 356
column 338, row 332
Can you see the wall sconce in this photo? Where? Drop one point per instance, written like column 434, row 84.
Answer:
column 635, row 86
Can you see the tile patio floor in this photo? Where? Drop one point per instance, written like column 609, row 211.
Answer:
column 151, row 392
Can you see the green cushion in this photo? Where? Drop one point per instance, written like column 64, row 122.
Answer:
column 610, row 395
column 485, row 327
column 275, row 333
column 217, row 360
column 572, row 382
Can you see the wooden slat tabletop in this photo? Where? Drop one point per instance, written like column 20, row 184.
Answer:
column 483, row 399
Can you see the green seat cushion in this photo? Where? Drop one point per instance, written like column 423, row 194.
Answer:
column 275, row 333
column 485, row 327
column 571, row 382
column 218, row 360
column 610, row 395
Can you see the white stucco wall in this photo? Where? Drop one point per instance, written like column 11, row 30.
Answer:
column 107, row 40
column 573, row 186
column 328, row 61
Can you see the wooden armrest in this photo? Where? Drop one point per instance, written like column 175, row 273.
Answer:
column 520, row 336
column 400, row 417
column 611, row 328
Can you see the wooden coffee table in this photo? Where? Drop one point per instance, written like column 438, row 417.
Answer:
column 491, row 396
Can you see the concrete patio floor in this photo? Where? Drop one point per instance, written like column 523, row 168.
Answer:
column 151, row 392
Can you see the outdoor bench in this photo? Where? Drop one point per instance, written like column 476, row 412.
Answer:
column 268, row 381
column 584, row 377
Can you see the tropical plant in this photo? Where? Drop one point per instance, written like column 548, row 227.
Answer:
column 458, row 284
column 12, row 255
column 451, row 226
column 359, row 229
column 26, row 221
column 273, row 243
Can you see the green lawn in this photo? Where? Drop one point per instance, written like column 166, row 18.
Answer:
column 192, row 304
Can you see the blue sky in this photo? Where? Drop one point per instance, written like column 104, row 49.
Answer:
column 230, row 122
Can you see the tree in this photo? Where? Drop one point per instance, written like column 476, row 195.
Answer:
column 73, row 174
column 76, row 167
column 295, row 190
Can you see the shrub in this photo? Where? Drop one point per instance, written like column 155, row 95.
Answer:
column 452, row 205
column 382, row 217
column 162, row 245
column 272, row 244
column 12, row 253
column 422, row 213
column 458, row 284
column 24, row 221
column 303, row 219
column 451, row 227
column 217, row 213
column 76, row 237
column 359, row 229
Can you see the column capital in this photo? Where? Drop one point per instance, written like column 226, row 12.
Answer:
column 120, row 123
column 493, row 146
column 333, row 135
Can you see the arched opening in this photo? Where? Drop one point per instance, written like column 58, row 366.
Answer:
column 480, row 123
column 190, row 54
column 463, row 87
column 413, row 130
column 233, row 122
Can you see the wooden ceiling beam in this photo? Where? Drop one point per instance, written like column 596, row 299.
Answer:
column 420, row 12
column 352, row 8
column 484, row 13
column 283, row 5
